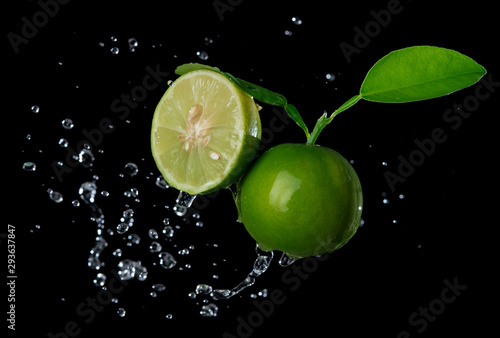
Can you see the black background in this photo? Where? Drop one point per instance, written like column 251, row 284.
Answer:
column 445, row 222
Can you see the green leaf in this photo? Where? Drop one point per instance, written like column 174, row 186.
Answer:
column 260, row 93
column 419, row 73
column 294, row 115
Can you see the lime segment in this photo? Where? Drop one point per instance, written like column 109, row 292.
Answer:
column 205, row 132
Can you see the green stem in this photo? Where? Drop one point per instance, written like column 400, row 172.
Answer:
column 323, row 121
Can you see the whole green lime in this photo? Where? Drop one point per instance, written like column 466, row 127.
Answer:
column 304, row 200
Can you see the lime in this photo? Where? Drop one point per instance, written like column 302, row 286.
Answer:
column 304, row 200
column 205, row 132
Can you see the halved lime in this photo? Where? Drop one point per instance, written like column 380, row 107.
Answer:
column 205, row 132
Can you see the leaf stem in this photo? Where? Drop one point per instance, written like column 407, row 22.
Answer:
column 323, row 121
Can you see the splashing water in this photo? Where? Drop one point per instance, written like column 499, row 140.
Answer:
column 259, row 267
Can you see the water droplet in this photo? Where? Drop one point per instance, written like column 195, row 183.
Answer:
column 29, row 166
column 168, row 231
column 100, row 279
column 134, row 238
column 132, row 43
column 28, row 137
column 169, row 316
column 129, row 269
column 385, row 201
column 129, row 213
column 153, row 234
column 142, row 272
column 297, row 21
column 75, row 203
column 384, row 164
column 160, row 182
column 131, row 168
column 63, row 143
column 263, row 293
column 202, row 55
column 115, row 50
column 159, row 287
column 117, row 252
column 183, row 252
column 55, row 196
column 35, row 109
column 208, row 41
column 183, row 202
column 121, row 312
column 87, row 192
column 122, row 228
column 155, row 247
column 86, row 158
column 288, row 33
column 167, row 261
column 209, row 310
column 330, row 77
column 114, row 38
column 286, row 260
column 67, row 123
column 401, row 196
column 203, row 289
column 192, row 295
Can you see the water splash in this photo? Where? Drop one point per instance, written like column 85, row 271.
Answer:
column 94, row 262
column 260, row 266
column 183, row 202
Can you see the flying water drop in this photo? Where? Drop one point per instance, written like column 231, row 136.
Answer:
column 209, row 310
column 167, row 261
column 131, row 168
column 286, row 260
column 202, row 55
column 87, row 192
column 86, row 158
column 55, row 196
column 29, row 166
column 183, row 202
column 67, row 123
